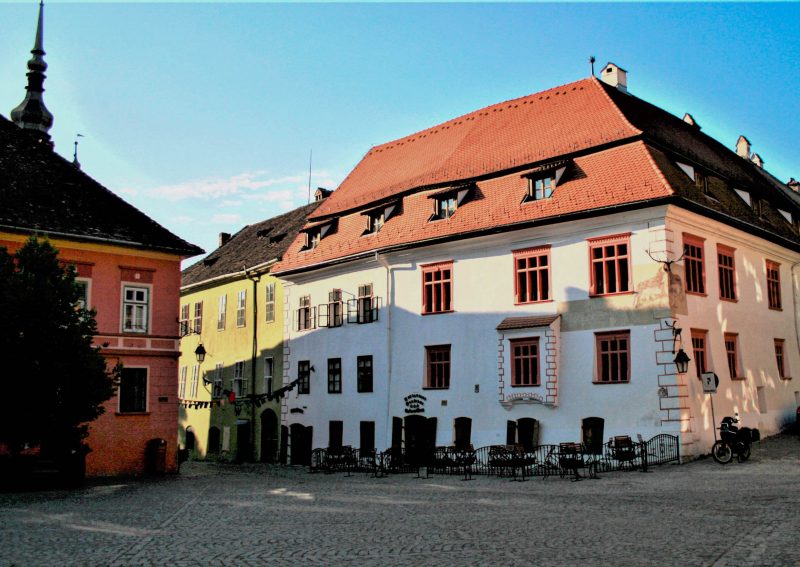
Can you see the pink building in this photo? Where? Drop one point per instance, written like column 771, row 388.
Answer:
column 128, row 265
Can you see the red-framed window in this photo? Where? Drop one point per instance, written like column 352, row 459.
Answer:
column 532, row 274
column 700, row 350
column 693, row 261
column 610, row 264
column 780, row 359
column 774, row 285
column 437, row 288
column 727, row 272
column 438, row 367
column 613, row 357
column 525, row 362
column 732, row 354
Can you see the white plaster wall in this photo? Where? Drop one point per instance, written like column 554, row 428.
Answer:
column 483, row 295
column 750, row 317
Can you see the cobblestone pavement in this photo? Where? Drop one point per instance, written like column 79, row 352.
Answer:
column 701, row 513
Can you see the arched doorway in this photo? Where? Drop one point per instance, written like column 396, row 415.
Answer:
column 301, row 438
column 213, row 441
column 269, row 436
column 420, row 439
column 190, row 443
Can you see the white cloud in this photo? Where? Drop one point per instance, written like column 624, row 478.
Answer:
column 130, row 191
column 182, row 219
column 248, row 185
column 226, row 218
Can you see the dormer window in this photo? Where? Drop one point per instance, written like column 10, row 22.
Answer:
column 701, row 181
column 446, row 206
column 312, row 239
column 315, row 232
column 377, row 217
column 446, row 202
column 540, row 187
column 542, row 181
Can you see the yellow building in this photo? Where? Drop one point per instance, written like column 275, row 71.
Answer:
column 232, row 327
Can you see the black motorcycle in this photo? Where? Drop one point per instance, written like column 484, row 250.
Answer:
column 734, row 440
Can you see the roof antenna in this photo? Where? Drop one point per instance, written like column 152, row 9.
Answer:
column 75, row 161
column 591, row 62
column 310, row 155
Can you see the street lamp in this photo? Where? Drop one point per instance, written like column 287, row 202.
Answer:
column 200, row 353
column 682, row 362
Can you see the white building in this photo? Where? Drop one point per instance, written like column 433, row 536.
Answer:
column 506, row 275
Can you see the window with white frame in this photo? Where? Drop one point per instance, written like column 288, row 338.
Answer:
column 269, row 371
column 182, row 383
column 241, row 305
column 135, row 308
column 184, row 326
column 83, row 293
column 195, row 381
column 239, row 386
column 197, row 321
column 269, row 310
column 216, row 384
column 222, row 311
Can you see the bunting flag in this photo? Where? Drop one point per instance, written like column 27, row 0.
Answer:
column 229, row 397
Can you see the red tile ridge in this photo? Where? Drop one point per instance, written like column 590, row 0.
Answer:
column 596, row 83
column 485, row 112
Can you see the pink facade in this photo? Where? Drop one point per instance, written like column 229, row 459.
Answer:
column 119, row 437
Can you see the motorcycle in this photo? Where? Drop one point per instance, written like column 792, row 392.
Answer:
column 734, row 440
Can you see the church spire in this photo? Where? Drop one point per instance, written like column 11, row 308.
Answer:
column 32, row 114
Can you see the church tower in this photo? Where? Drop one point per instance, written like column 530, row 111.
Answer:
column 32, row 114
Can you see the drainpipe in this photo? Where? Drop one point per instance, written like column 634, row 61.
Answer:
column 794, row 303
column 254, row 277
column 382, row 261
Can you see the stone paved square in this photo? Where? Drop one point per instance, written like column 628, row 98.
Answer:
column 700, row 513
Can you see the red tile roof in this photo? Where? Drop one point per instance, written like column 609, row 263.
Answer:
column 511, row 134
column 623, row 174
column 621, row 152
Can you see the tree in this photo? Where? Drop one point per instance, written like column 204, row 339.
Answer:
column 54, row 380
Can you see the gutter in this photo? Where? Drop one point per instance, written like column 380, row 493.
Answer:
column 257, row 268
column 255, row 278
column 185, row 252
column 389, row 297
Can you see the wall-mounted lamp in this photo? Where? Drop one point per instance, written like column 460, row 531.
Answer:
column 200, row 353
column 681, row 359
column 312, row 369
column 682, row 362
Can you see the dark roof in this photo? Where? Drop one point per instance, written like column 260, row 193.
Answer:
column 526, row 322
column 42, row 192
column 622, row 152
column 253, row 245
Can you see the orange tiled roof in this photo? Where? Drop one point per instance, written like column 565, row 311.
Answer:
column 510, row 134
column 622, row 174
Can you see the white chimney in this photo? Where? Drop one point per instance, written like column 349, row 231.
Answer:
column 615, row 76
column 758, row 161
column 793, row 184
column 743, row 147
column 689, row 119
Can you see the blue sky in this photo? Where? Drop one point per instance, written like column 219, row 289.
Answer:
column 203, row 114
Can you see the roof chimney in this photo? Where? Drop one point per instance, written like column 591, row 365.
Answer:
column 756, row 159
column 689, row 119
column 615, row 76
column 321, row 193
column 743, row 147
column 224, row 237
column 793, row 184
